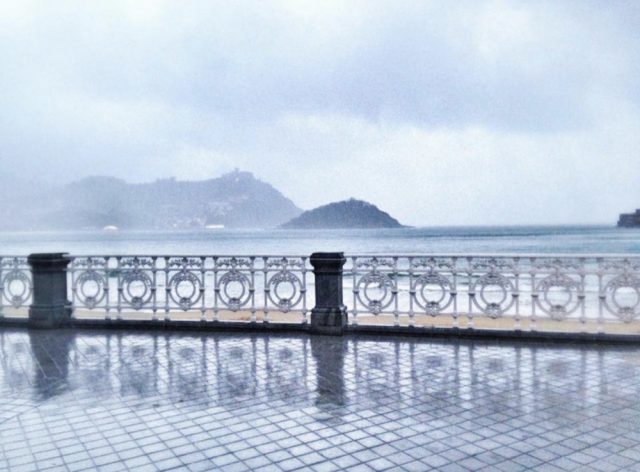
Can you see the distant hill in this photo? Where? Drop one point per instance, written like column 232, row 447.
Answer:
column 235, row 200
column 346, row 214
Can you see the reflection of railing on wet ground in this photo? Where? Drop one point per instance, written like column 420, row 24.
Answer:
column 182, row 369
column 327, row 372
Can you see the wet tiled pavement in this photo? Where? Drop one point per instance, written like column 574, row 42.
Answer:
column 112, row 400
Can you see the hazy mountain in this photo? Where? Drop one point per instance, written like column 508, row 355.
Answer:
column 346, row 214
column 235, row 200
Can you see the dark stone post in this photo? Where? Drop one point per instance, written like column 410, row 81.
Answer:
column 329, row 316
column 50, row 307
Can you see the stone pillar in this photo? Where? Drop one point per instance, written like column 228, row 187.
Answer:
column 329, row 316
column 50, row 307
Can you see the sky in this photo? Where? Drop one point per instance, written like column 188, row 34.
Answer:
column 441, row 113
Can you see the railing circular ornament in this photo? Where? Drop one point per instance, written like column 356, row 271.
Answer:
column 285, row 280
column 432, row 305
column 234, row 300
column 136, row 288
column 17, row 287
column 558, row 310
column 493, row 307
column 375, row 281
column 185, row 289
column 90, row 288
column 626, row 310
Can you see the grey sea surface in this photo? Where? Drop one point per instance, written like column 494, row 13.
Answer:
column 441, row 240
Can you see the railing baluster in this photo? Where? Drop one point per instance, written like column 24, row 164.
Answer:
column 516, row 263
column 203, row 310
column 167, row 290
column 107, row 291
column 601, row 296
column 395, row 292
column 216, row 298
column 154, row 286
column 582, row 297
column 303, row 289
column 470, row 292
column 454, row 291
column 534, row 296
column 354, row 269
column 119, row 261
column 412, row 292
column 265, row 275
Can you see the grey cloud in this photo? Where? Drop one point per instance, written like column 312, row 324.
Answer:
column 405, row 61
column 281, row 87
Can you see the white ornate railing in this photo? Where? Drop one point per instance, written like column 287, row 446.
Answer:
column 16, row 285
column 521, row 290
column 206, row 286
column 563, row 293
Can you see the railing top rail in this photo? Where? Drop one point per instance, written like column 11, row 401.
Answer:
column 78, row 256
column 503, row 255
column 358, row 255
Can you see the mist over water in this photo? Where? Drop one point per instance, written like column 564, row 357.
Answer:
column 453, row 240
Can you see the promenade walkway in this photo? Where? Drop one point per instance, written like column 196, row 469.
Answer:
column 73, row 400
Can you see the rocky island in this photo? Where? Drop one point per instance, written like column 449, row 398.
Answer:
column 343, row 215
column 629, row 220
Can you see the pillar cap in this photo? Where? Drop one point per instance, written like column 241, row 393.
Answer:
column 327, row 255
column 48, row 257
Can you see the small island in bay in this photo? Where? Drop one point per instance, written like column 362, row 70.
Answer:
column 629, row 220
column 343, row 215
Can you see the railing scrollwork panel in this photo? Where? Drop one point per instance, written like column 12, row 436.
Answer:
column 190, row 287
column 501, row 292
column 16, row 285
column 185, row 287
column 620, row 290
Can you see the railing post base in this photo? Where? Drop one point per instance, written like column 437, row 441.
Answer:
column 329, row 316
column 328, row 321
column 50, row 307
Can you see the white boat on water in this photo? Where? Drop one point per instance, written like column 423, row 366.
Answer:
column 214, row 226
column 110, row 228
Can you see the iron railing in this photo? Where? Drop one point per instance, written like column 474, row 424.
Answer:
column 206, row 286
column 568, row 293
column 16, row 285
column 523, row 289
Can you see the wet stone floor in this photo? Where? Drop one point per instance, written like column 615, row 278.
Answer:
column 113, row 401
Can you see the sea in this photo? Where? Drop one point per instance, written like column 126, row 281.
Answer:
column 402, row 241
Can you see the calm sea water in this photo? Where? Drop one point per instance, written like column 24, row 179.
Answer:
column 520, row 239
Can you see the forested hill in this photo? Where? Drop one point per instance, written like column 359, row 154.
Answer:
column 235, row 200
column 345, row 214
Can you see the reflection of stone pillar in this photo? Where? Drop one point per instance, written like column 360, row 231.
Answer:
column 50, row 307
column 329, row 316
column 51, row 352
column 329, row 356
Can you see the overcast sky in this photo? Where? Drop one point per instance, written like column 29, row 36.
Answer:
column 478, row 112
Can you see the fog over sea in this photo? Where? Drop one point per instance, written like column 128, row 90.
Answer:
column 443, row 240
